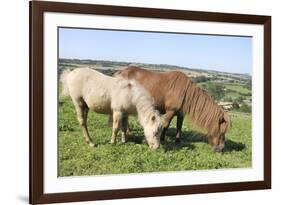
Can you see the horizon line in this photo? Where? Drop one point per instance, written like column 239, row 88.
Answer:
column 190, row 68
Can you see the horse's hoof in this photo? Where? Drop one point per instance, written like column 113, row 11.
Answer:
column 178, row 140
column 123, row 142
column 92, row 145
column 112, row 142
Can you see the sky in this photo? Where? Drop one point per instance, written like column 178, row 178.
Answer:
column 211, row 52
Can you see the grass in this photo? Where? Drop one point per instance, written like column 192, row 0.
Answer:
column 237, row 87
column 233, row 90
column 76, row 158
column 236, row 90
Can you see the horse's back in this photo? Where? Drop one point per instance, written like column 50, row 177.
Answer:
column 143, row 75
column 91, row 86
column 89, row 76
column 166, row 88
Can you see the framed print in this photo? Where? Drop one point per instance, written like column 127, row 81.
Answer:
column 138, row 102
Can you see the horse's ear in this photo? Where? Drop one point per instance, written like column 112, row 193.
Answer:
column 223, row 126
column 153, row 118
column 221, row 120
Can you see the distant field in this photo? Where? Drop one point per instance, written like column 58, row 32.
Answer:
column 76, row 158
column 232, row 90
column 237, row 87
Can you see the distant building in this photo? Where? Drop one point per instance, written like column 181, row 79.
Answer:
column 226, row 105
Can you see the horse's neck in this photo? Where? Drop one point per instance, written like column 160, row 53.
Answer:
column 143, row 106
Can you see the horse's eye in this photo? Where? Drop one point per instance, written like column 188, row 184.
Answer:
column 153, row 118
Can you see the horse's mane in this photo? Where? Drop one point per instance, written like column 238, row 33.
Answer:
column 198, row 105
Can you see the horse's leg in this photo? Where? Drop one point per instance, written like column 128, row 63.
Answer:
column 82, row 112
column 117, row 117
column 179, row 126
column 168, row 118
column 124, row 128
column 128, row 131
column 110, row 119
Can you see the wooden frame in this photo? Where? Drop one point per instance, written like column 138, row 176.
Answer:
column 37, row 9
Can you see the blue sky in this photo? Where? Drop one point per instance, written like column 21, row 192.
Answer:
column 222, row 53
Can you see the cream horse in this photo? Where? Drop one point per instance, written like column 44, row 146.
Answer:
column 103, row 94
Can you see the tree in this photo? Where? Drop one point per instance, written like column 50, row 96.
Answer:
column 248, row 84
column 216, row 90
column 228, row 99
column 245, row 108
column 235, row 105
column 240, row 99
column 200, row 79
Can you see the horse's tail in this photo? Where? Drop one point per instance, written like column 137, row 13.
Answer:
column 63, row 78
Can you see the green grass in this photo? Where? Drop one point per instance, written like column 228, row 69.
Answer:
column 238, row 88
column 233, row 95
column 76, row 158
column 233, row 90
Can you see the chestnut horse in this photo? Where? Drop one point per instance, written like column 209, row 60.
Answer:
column 175, row 94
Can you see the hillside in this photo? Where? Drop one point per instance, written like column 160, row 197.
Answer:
column 231, row 90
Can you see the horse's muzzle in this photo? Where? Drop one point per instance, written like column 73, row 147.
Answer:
column 154, row 146
column 218, row 148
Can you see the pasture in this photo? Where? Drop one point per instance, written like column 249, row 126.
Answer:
column 76, row 158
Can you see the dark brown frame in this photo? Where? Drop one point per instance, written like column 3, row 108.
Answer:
column 37, row 9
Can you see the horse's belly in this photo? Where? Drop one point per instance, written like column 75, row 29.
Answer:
column 101, row 106
column 130, row 110
column 99, row 102
column 101, row 109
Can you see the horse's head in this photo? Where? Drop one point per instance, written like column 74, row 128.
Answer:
column 152, row 131
column 217, row 138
